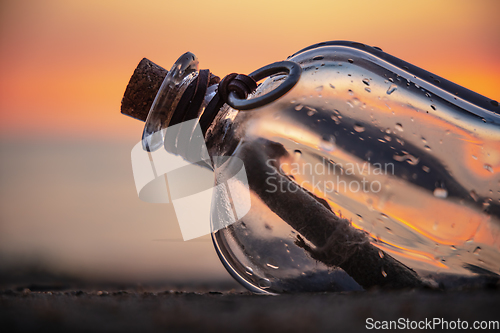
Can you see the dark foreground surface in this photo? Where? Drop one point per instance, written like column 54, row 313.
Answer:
column 41, row 302
column 177, row 311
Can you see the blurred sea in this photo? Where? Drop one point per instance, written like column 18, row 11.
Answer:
column 71, row 206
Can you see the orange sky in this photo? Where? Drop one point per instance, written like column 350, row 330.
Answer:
column 64, row 65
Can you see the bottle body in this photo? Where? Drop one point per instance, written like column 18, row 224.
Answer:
column 412, row 166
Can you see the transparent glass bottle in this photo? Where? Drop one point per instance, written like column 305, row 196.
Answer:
column 409, row 159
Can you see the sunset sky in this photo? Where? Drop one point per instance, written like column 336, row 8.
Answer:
column 65, row 64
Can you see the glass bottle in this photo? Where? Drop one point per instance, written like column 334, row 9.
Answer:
column 368, row 172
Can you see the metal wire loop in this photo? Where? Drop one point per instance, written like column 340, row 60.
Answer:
column 290, row 68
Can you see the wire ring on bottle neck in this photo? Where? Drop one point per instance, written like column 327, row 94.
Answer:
column 292, row 70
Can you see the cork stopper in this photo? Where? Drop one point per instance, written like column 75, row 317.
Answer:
column 142, row 88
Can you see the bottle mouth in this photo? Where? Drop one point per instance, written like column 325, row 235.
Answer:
column 183, row 72
column 182, row 111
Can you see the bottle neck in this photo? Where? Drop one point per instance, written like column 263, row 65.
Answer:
column 199, row 128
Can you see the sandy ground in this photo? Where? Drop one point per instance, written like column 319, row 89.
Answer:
column 73, row 306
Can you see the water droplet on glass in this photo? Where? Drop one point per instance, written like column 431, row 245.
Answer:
column 380, row 254
column 440, row 193
column 350, row 60
column 332, row 86
column 426, row 168
column 355, row 101
column 412, row 160
column 399, row 127
column 366, row 81
column 488, row 167
column 264, row 283
column 249, row 270
column 327, row 143
column 329, row 186
column 318, row 89
column 474, row 195
column 436, row 225
column 335, row 118
column 392, row 88
column 384, row 274
column 368, row 89
column 433, row 106
column 272, row 266
column 359, row 128
column 299, row 107
column 311, row 112
column 477, row 250
column 387, row 138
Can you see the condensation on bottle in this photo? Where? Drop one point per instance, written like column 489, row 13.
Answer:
column 410, row 160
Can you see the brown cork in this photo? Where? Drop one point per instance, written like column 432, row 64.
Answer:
column 142, row 88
